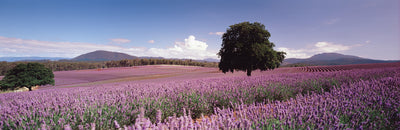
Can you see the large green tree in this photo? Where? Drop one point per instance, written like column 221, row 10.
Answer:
column 245, row 47
column 28, row 75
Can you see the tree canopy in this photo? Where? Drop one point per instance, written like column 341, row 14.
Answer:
column 28, row 75
column 245, row 47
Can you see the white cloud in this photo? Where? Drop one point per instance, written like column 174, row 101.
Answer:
column 319, row 47
column 216, row 33
column 190, row 48
column 150, row 41
column 293, row 53
column 329, row 47
column 8, row 50
column 192, row 44
column 119, row 40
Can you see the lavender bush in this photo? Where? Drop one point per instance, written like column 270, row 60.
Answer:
column 362, row 105
column 364, row 98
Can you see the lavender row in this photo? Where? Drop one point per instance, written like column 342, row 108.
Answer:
column 102, row 106
column 371, row 104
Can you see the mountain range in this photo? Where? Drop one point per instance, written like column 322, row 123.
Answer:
column 99, row 55
column 319, row 59
column 13, row 59
column 332, row 59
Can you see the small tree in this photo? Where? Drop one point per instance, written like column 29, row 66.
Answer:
column 28, row 75
column 245, row 46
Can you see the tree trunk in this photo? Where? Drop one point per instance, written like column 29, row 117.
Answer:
column 30, row 88
column 248, row 72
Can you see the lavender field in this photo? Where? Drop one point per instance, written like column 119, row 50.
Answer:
column 200, row 98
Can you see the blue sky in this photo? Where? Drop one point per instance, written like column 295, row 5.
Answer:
column 192, row 29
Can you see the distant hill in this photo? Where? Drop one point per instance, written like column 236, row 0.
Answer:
column 103, row 56
column 331, row 59
column 211, row 60
column 13, row 59
column 332, row 56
